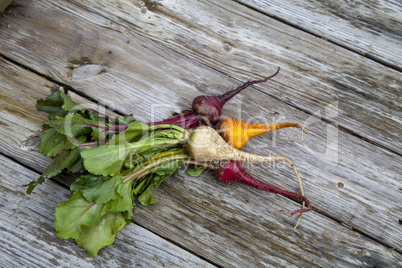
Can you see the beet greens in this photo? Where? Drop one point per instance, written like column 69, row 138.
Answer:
column 121, row 159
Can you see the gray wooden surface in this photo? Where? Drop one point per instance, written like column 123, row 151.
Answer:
column 340, row 78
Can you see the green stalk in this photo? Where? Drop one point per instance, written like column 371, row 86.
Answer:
column 171, row 127
column 167, row 126
column 158, row 162
column 164, row 154
column 147, row 161
column 151, row 142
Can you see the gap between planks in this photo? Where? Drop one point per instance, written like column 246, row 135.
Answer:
column 64, row 185
column 41, row 76
column 68, row 88
column 334, row 42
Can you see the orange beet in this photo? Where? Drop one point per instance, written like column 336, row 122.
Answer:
column 238, row 133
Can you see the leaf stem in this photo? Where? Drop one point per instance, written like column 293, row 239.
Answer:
column 147, row 161
column 154, row 164
column 167, row 126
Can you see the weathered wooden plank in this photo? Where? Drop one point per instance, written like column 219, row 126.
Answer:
column 28, row 238
column 20, row 122
column 234, row 227
column 224, row 35
column 150, row 68
column 242, row 43
column 253, row 230
column 373, row 29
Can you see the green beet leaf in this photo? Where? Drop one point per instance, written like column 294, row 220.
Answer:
column 167, row 168
column 146, row 189
column 109, row 159
column 105, row 160
column 31, row 186
column 145, row 185
column 99, row 134
column 78, row 211
column 133, row 160
column 141, row 184
column 94, row 225
column 77, row 166
column 124, row 120
column 93, row 238
column 53, row 143
column 57, row 104
column 74, row 213
column 52, row 105
column 66, row 159
column 103, row 192
column 195, row 172
column 87, row 181
column 74, row 125
column 101, row 128
column 147, row 197
column 164, row 171
column 70, row 105
column 127, row 216
column 134, row 130
column 125, row 203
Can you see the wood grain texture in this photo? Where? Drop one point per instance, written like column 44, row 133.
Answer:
column 138, row 69
column 28, row 238
column 238, row 226
column 154, row 62
column 373, row 29
column 226, row 36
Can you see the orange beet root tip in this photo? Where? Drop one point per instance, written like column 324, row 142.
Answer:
column 238, row 133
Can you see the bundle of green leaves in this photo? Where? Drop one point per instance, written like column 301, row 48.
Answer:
column 118, row 159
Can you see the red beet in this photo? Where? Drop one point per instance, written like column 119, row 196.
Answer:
column 234, row 172
column 210, row 107
column 207, row 109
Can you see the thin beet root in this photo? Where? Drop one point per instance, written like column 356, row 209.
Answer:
column 233, row 171
column 210, row 107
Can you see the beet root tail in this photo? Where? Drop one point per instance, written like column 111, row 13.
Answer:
column 233, row 171
column 228, row 95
